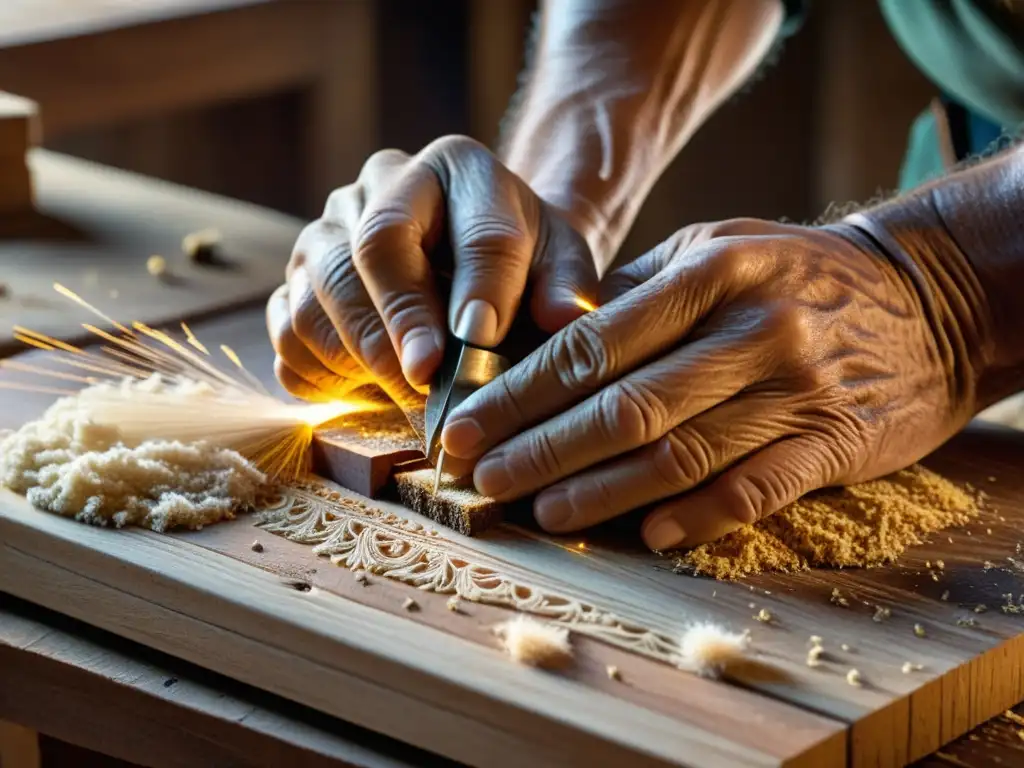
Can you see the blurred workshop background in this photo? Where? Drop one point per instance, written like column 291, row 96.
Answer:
column 279, row 101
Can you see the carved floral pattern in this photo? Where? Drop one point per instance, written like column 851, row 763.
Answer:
column 357, row 536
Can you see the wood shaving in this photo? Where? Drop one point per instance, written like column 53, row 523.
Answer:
column 454, row 605
column 709, row 649
column 65, row 463
column 945, row 595
column 814, row 655
column 837, row 598
column 864, row 525
column 613, row 672
column 881, row 614
column 410, row 604
column 908, row 667
column 256, row 546
column 201, row 247
column 361, row 578
column 764, row 616
column 853, row 677
column 535, row 643
column 845, row 648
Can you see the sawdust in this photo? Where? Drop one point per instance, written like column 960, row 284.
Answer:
column 864, row 525
column 67, row 464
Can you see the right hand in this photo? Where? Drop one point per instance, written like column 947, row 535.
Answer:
column 360, row 305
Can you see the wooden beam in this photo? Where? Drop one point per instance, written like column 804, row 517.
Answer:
column 19, row 746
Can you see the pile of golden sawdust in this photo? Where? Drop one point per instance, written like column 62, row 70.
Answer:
column 863, row 525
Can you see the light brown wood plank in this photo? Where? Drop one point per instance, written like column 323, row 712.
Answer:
column 101, row 693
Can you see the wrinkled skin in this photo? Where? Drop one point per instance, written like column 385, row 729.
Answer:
column 733, row 369
column 361, row 302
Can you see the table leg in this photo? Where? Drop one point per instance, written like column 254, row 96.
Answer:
column 19, row 746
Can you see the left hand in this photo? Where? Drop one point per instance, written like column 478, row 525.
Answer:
column 742, row 364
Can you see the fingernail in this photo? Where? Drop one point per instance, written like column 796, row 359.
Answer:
column 553, row 510
column 478, row 323
column 491, row 478
column 663, row 534
column 462, row 437
column 417, row 353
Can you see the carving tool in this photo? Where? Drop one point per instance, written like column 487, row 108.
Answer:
column 464, row 369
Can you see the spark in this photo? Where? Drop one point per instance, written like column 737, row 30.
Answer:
column 585, row 304
column 236, row 413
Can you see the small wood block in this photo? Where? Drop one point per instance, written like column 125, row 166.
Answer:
column 19, row 125
column 19, row 132
column 455, row 505
column 361, row 453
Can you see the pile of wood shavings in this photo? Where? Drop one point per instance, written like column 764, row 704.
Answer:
column 864, row 525
column 65, row 463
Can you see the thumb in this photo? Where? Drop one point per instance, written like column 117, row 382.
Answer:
column 752, row 490
column 564, row 277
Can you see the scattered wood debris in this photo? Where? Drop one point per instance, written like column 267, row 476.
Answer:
column 709, row 649
column 838, row 599
column 980, row 608
column 156, row 266
column 854, row 678
column 945, row 595
column 846, row 648
column 535, row 643
column 919, row 630
column 814, row 654
column 410, row 604
column 815, row 640
column 454, row 604
column 202, row 246
column 967, row 622
column 361, row 578
column 940, row 564
column 1012, row 607
column 909, row 667
column 613, row 672
column 764, row 616
column 256, row 546
column 881, row 614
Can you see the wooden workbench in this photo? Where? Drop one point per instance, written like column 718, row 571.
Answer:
column 54, row 559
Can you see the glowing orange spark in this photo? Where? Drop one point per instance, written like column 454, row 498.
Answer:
column 191, row 338
column 585, row 304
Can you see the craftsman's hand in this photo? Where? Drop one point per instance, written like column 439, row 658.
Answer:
column 742, row 364
column 360, row 300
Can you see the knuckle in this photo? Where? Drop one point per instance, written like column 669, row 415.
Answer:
column 542, row 458
column 582, row 359
column 454, row 145
column 684, row 458
column 789, row 330
column 631, row 414
column 492, row 235
column 381, row 232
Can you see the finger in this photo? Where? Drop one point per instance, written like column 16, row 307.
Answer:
column 290, row 349
column 493, row 222
column 296, row 385
column 595, row 350
column 315, row 331
column 564, row 278
column 676, row 463
column 399, row 226
column 632, row 412
column 340, row 292
column 760, row 486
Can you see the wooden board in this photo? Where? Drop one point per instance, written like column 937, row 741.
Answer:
column 100, row 227
column 293, row 624
column 72, row 682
